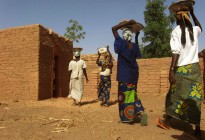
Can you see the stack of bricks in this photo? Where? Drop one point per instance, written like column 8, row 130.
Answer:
column 201, row 62
column 164, row 81
column 153, row 75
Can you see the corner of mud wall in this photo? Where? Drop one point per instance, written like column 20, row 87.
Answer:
column 19, row 63
column 54, row 52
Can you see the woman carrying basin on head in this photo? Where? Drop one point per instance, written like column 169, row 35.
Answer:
column 127, row 70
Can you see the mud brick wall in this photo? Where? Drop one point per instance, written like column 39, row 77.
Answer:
column 153, row 75
column 55, row 55
column 19, row 62
column 26, row 57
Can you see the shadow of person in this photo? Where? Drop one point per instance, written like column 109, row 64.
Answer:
column 181, row 125
column 189, row 136
column 113, row 102
column 89, row 102
column 189, row 112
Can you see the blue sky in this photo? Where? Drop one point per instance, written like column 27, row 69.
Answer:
column 96, row 16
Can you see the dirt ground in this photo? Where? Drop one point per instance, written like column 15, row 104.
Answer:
column 57, row 119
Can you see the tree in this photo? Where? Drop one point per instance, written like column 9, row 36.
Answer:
column 75, row 31
column 158, row 27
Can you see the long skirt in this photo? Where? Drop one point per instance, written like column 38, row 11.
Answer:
column 76, row 89
column 129, row 102
column 104, row 89
column 184, row 98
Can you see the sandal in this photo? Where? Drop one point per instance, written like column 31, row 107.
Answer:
column 161, row 123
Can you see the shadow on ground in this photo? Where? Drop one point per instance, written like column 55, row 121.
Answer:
column 96, row 101
column 189, row 136
column 113, row 102
column 89, row 102
column 188, row 130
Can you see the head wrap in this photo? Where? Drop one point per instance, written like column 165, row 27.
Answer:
column 76, row 54
column 183, row 17
column 127, row 34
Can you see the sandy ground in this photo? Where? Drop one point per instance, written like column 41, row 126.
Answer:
column 57, row 119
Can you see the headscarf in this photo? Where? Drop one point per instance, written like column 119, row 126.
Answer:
column 107, row 60
column 184, row 21
column 76, row 54
column 127, row 34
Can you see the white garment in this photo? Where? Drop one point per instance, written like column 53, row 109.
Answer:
column 76, row 89
column 77, row 68
column 76, row 79
column 107, row 72
column 188, row 54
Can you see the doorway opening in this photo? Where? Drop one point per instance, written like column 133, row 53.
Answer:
column 55, row 81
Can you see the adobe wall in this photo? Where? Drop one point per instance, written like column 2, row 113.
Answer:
column 27, row 57
column 19, row 49
column 153, row 76
column 55, row 55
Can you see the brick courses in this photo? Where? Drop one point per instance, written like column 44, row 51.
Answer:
column 153, row 75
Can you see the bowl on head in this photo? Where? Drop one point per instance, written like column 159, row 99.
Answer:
column 134, row 28
column 102, row 50
column 182, row 5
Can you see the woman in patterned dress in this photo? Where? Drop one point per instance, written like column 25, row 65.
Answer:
column 104, row 85
column 127, row 71
column 185, row 95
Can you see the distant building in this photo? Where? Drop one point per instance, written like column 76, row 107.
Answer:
column 33, row 63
